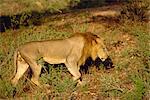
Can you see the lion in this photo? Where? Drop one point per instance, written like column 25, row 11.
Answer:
column 72, row 51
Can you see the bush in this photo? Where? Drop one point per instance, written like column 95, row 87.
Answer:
column 136, row 10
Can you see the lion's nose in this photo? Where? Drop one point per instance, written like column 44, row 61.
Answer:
column 103, row 59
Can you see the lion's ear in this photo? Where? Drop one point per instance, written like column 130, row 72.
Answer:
column 94, row 42
column 98, row 40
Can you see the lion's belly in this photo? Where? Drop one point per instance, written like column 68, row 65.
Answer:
column 54, row 60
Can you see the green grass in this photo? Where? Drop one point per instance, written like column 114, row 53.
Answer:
column 128, row 45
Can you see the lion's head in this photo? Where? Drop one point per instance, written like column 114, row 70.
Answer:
column 100, row 49
column 94, row 47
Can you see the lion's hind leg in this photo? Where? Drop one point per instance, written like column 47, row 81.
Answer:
column 36, row 70
column 22, row 66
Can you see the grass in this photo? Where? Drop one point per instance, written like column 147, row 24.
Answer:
column 127, row 43
column 19, row 7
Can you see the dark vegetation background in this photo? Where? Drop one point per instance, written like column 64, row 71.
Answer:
column 123, row 24
column 14, row 14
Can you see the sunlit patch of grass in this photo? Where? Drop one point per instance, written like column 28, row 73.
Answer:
column 138, row 90
column 79, row 28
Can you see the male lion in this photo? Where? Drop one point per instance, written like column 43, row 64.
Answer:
column 72, row 52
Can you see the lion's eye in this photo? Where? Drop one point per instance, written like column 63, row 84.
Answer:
column 104, row 49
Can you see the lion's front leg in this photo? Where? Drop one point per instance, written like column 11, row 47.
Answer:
column 73, row 69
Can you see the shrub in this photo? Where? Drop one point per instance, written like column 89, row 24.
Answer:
column 136, row 10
